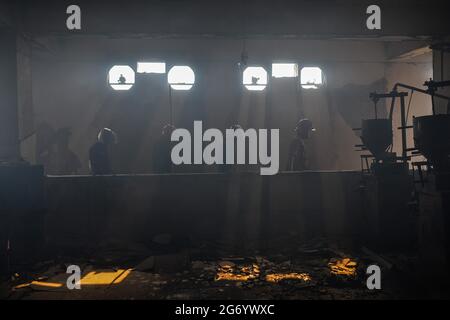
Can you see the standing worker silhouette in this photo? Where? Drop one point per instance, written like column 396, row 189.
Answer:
column 100, row 152
column 298, row 159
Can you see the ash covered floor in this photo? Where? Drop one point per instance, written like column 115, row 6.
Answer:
column 313, row 270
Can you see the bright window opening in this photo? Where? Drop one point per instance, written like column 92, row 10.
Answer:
column 255, row 78
column 181, row 78
column 284, row 70
column 151, row 67
column 311, row 78
column 121, row 77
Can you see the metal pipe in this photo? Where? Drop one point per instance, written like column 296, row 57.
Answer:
column 420, row 90
column 428, row 92
column 437, row 84
column 403, row 122
column 391, row 112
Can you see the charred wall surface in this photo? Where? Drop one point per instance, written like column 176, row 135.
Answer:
column 242, row 211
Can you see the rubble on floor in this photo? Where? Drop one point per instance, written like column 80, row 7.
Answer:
column 311, row 270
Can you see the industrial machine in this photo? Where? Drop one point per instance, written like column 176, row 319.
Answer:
column 409, row 208
column 432, row 140
column 386, row 185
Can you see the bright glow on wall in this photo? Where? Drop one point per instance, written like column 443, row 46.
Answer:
column 284, row 70
column 151, row 67
column 255, row 78
column 121, row 77
column 311, row 77
column 181, row 78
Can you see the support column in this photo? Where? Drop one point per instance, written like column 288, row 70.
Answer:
column 441, row 72
column 9, row 126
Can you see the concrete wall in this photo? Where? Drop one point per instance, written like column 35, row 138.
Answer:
column 9, row 131
column 243, row 210
column 22, row 212
column 70, row 90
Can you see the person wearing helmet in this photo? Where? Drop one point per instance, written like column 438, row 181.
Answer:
column 162, row 162
column 63, row 160
column 99, row 153
column 297, row 154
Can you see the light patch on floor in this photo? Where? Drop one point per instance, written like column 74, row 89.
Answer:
column 228, row 272
column 105, row 278
column 345, row 266
column 99, row 278
column 277, row 277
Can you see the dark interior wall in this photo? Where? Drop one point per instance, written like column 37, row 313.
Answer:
column 70, row 90
column 9, row 144
column 242, row 211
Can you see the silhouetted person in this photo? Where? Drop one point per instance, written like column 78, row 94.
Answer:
column 298, row 160
column 227, row 168
column 99, row 153
column 45, row 136
column 122, row 79
column 62, row 160
column 162, row 162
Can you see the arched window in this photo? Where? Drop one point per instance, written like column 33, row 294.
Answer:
column 121, row 77
column 311, row 77
column 181, row 78
column 255, row 78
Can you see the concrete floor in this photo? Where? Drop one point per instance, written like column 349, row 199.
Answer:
column 311, row 271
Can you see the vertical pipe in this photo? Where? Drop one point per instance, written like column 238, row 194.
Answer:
column 432, row 105
column 391, row 111
column 403, row 122
column 264, row 231
column 170, row 106
column 9, row 123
